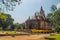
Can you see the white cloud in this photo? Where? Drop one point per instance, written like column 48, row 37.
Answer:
column 58, row 5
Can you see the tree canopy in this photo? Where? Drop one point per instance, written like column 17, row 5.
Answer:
column 9, row 4
column 5, row 20
column 55, row 17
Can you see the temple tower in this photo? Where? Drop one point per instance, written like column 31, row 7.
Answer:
column 42, row 15
column 42, row 18
column 27, row 24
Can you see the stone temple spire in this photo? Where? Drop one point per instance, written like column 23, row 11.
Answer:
column 41, row 8
column 42, row 15
column 42, row 12
column 35, row 16
column 29, row 18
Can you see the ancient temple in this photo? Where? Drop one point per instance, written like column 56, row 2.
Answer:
column 39, row 22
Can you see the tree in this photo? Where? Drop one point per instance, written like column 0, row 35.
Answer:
column 49, row 15
column 53, row 8
column 57, row 28
column 5, row 20
column 9, row 4
column 55, row 17
column 16, row 27
column 12, row 27
column 22, row 25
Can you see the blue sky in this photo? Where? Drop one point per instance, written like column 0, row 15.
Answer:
column 29, row 7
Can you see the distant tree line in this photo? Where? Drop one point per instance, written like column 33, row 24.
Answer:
column 6, row 23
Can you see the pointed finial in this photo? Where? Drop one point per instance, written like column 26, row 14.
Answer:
column 35, row 14
column 41, row 8
column 29, row 17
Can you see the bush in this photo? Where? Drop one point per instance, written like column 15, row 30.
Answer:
column 42, row 31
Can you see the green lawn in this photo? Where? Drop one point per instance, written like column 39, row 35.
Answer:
column 57, row 36
column 11, row 32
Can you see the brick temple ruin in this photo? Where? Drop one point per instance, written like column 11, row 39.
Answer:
column 38, row 22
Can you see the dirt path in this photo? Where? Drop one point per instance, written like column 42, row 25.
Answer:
column 25, row 37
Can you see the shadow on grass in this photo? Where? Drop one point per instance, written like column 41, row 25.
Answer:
column 49, row 38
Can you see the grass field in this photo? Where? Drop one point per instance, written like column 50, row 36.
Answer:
column 12, row 32
column 57, row 36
